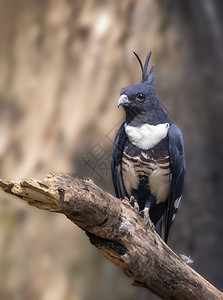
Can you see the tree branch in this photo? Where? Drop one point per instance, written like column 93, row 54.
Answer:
column 118, row 232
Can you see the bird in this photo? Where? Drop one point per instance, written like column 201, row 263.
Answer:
column 148, row 158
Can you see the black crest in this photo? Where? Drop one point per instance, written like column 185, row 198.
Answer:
column 147, row 77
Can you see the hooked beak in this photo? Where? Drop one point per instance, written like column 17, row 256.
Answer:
column 123, row 100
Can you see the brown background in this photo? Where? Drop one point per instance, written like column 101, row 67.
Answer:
column 62, row 65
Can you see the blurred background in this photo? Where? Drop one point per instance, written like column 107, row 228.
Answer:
column 62, row 65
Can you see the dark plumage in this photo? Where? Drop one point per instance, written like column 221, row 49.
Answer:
column 148, row 162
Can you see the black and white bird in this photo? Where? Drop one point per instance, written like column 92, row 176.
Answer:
column 148, row 162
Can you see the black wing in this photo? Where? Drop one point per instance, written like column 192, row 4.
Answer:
column 177, row 169
column 116, row 162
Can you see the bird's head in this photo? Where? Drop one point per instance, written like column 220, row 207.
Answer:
column 139, row 100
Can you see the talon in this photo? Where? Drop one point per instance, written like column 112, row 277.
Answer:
column 141, row 213
column 146, row 212
column 132, row 201
column 136, row 206
column 150, row 224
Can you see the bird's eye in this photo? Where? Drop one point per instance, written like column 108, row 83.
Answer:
column 140, row 97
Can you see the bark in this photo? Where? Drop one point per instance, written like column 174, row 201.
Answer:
column 118, row 232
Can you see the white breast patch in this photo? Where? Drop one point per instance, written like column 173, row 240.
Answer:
column 147, row 136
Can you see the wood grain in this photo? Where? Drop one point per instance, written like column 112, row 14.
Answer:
column 118, row 232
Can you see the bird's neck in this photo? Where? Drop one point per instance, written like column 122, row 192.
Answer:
column 154, row 115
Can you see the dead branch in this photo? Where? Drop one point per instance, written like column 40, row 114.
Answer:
column 118, row 232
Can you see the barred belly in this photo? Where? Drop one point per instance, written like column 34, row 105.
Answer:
column 156, row 169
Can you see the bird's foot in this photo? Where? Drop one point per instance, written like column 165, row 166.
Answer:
column 149, row 224
column 145, row 214
column 134, row 203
